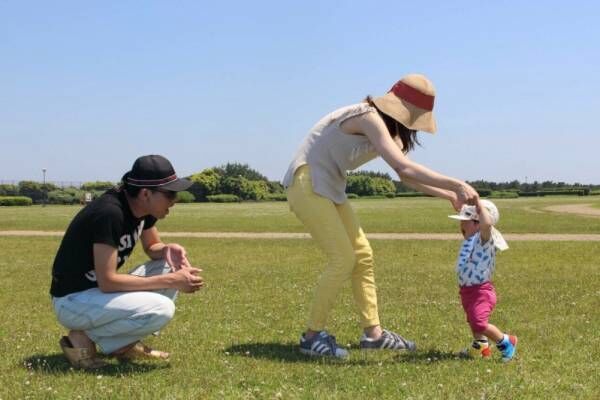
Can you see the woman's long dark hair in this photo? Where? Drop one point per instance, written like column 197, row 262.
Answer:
column 395, row 128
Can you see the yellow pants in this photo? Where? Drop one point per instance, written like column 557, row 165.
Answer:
column 337, row 231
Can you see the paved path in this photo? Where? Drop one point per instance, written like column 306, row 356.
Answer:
column 579, row 209
column 381, row 236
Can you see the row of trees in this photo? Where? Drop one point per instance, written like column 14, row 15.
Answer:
column 367, row 183
column 229, row 182
column 530, row 187
column 233, row 179
column 50, row 193
column 237, row 182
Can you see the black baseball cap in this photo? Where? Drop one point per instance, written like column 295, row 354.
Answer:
column 155, row 172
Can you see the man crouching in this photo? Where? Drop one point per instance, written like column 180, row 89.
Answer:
column 102, row 307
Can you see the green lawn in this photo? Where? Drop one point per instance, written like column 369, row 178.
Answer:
column 238, row 337
column 393, row 215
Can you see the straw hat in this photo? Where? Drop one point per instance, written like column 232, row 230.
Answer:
column 410, row 102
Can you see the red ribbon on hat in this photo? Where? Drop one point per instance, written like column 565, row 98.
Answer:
column 151, row 182
column 413, row 96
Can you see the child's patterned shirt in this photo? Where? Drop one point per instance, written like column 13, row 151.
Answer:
column 476, row 261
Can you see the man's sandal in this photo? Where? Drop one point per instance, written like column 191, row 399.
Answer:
column 140, row 351
column 82, row 358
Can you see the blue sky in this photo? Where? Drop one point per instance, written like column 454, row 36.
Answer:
column 86, row 87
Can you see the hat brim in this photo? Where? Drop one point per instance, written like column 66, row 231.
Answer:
column 178, row 185
column 460, row 217
column 406, row 113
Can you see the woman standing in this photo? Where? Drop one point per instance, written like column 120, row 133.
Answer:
column 345, row 139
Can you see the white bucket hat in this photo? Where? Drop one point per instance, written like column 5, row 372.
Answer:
column 468, row 212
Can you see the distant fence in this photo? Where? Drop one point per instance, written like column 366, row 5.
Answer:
column 60, row 184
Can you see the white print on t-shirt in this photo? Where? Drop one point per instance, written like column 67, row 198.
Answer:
column 126, row 242
column 91, row 275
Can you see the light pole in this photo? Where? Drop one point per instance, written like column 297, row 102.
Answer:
column 44, row 188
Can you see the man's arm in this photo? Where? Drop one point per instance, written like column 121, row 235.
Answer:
column 153, row 246
column 105, row 265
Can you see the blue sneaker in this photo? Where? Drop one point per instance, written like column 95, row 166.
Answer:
column 388, row 340
column 322, row 344
column 508, row 347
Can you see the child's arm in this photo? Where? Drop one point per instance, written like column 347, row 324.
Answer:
column 485, row 223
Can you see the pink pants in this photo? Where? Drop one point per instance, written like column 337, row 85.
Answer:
column 478, row 302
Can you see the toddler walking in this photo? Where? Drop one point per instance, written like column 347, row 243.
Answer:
column 475, row 267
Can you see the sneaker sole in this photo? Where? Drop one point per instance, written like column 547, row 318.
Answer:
column 387, row 348
column 315, row 354
column 379, row 349
column 465, row 354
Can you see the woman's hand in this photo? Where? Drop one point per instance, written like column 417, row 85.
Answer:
column 454, row 201
column 465, row 194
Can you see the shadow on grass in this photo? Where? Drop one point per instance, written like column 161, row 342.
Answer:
column 428, row 357
column 56, row 364
column 288, row 352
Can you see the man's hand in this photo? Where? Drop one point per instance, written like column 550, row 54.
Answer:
column 188, row 280
column 176, row 256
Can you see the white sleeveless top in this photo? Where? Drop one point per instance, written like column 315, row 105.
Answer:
column 330, row 153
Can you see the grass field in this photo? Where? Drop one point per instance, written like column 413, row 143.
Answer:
column 525, row 215
column 238, row 337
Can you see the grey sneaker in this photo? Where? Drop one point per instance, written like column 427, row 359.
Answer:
column 322, row 344
column 388, row 340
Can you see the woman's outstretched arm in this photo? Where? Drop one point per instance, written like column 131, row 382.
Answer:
column 423, row 178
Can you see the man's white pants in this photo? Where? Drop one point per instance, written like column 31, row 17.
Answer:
column 114, row 320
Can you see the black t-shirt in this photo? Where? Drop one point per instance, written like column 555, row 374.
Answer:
column 106, row 220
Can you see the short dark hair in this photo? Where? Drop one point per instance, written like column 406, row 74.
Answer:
column 395, row 128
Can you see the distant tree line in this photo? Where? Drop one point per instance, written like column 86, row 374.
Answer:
column 37, row 193
column 370, row 183
column 234, row 182
column 523, row 189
